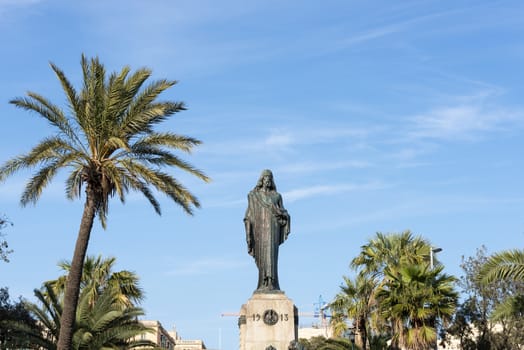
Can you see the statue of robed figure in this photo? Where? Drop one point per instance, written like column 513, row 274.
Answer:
column 267, row 227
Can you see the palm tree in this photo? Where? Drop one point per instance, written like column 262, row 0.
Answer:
column 392, row 249
column 389, row 259
column 103, row 324
column 356, row 302
column 97, row 275
column 107, row 142
column 413, row 299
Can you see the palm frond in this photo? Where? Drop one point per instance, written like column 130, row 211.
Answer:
column 49, row 111
column 117, row 177
column 142, row 187
column 511, row 308
column 167, row 139
column 43, row 177
column 111, row 144
column 164, row 183
column 507, row 264
column 74, row 182
column 48, row 313
column 71, row 94
column 159, row 157
column 134, row 120
column 25, row 336
column 118, row 98
column 47, row 150
column 154, row 113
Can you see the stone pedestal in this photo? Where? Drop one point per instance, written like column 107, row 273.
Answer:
column 268, row 321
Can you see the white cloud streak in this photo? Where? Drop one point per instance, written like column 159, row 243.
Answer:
column 429, row 206
column 205, row 266
column 312, row 167
column 327, row 190
column 464, row 122
column 286, row 139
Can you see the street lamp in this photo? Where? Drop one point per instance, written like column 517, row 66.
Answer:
column 431, row 252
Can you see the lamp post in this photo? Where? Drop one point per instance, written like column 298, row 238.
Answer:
column 431, row 252
column 431, row 265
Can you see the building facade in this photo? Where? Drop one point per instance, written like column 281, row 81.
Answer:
column 169, row 340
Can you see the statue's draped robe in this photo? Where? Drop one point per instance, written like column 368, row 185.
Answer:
column 267, row 226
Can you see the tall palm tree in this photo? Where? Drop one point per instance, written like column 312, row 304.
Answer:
column 387, row 258
column 106, row 140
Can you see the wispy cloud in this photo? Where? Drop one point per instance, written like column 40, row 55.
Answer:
column 391, row 27
column 326, row 190
column 466, row 121
column 284, row 139
column 312, row 167
column 205, row 266
column 304, row 193
column 371, row 34
column 181, row 34
column 421, row 207
column 279, row 139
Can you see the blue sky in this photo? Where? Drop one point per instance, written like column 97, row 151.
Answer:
column 375, row 116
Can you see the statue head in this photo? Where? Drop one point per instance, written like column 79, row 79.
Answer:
column 266, row 174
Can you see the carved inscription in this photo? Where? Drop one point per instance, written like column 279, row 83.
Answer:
column 270, row 317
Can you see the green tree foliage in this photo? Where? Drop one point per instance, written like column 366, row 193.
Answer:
column 355, row 301
column 4, row 247
column 391, row 250
column 396, row 294
column 487, row 318
column 508, row 266
column 10, row 312
column 102, row 321
column 107, row 142
column 338, row 344
column 323, row 343
column 312, row 343
column 103, row 324
column 413, row 299
column 98, row 274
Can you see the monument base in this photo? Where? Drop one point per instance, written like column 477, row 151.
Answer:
column 268, row 321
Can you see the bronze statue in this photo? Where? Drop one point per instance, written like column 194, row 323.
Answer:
column 267, row 226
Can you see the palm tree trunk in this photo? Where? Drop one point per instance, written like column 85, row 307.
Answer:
column 363, row 333
column 74, row 277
